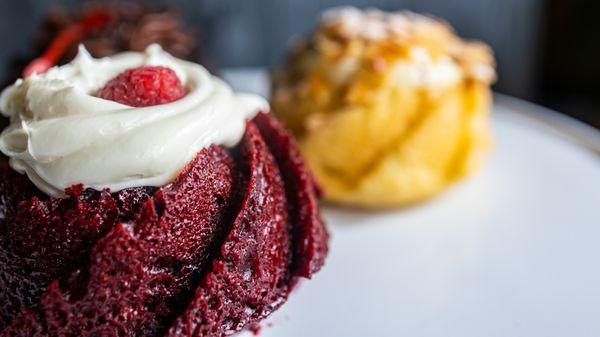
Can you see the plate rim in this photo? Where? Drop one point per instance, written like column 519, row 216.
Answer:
column 562, row 125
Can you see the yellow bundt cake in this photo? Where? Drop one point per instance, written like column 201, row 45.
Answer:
column 389, row 108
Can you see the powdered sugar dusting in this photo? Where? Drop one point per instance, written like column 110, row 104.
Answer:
column 371, row 24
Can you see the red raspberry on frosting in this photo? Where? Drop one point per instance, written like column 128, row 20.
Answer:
column 143, row 86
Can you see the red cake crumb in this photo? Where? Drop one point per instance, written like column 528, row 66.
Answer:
column 310, row 235
column 255, row 329
column 249, row 278
column 208, row 255
column 43, row 238
column 139, row 271
column 144, row 86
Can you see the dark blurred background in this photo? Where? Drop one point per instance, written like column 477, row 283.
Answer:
column 547, row 50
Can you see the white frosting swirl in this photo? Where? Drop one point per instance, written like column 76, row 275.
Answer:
column 62, row 135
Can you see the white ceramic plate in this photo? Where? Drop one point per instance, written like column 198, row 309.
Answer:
column 514, row 251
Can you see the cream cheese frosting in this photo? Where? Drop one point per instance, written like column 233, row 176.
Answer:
column 61, row 135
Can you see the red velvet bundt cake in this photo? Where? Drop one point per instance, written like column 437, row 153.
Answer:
column 145, row 198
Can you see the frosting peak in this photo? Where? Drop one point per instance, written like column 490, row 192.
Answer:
column 61, row 134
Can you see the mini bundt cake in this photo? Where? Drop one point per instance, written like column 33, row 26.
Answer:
column 389, row 108
column 184, row 215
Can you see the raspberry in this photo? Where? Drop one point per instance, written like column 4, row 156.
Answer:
column 143, row 86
